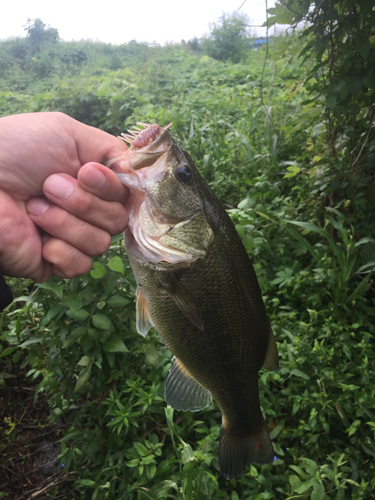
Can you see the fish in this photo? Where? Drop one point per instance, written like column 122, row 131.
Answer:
column 197, row 286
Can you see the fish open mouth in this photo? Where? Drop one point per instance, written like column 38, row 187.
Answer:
column 143, row 163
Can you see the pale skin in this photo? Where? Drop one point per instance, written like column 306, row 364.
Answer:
column 59, row 205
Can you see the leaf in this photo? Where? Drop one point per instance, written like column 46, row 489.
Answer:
column 84, row 482
column 276, row 431
column 84, row 375
column 85, row 361
column 318, row 491
column 310, row 466
column 331, row 101
column 133, row 463
column 293, row 171
column 102, row 321
column 79, row 315
column 141, row 448
column 160, row 490
column 98, row 270
column 33, row 340
column 300, row 374
column 74, row 336
column 116, row 265
column 114, row 344
column 187, row 453
column 117, row 301
column 363, row 45
column 354, row 427
column 7, row 351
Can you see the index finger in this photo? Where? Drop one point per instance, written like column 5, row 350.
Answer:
column 102, row 182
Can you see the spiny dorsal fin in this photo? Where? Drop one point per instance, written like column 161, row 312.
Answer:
column 183, row 300
column 183, row 392
column 271, row 361
column 143, row 321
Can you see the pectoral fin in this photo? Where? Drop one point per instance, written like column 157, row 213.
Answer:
column 182, row 391
column 183, row 299
column 271, row 361
column 143, row 321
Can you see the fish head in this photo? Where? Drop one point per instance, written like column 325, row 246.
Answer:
column 167, row 220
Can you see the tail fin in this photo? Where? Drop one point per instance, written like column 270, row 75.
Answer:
column 235, row 453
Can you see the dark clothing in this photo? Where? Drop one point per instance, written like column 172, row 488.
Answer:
column 6, row 296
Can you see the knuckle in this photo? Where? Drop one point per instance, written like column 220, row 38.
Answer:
column 102, row 244
column 117, row 218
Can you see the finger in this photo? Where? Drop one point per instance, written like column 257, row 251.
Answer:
column 67, row 261
column 59, row 223
column 20, row 242
column 93, row 143
column 101, row 181
column 66, row 192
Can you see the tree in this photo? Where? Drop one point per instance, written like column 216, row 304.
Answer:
column 339, row 41
column 39, row 35
column 228, row 39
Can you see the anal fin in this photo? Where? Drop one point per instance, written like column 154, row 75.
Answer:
column 183, row 392
column 271, row 361
column 143, row 321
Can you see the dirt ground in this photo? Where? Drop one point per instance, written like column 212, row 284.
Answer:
column 29, row 445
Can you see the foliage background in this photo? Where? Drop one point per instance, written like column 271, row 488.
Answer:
column 285, row 138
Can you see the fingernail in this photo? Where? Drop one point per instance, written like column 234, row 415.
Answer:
column 37, row 206
column 93, row 178
column 58, row 186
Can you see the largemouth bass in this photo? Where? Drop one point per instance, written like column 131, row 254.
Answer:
column 198, row 288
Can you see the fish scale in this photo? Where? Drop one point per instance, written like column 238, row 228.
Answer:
column 199, row 289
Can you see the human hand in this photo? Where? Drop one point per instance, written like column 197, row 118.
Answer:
column 58, row 207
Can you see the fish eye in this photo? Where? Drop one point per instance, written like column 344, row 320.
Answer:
column 183, row 174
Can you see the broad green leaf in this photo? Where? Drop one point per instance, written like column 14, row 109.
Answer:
column 293, row 171
column 310, row 466
column 304, row 486
column 318, row 490
column 295, row 482
column 117, row 301
column 133, row 463
column 300, row 374
column 331, row 101
column 74, row 336
column 33, row 340
column 85, row 361
column 276, row 431
column 84, row 376
column 116, row 264
column 79, row 315
column 364, row 45
column 102, row 321
column 98, row 270
column 141, row 448
column 354, row 427
column 114, row 344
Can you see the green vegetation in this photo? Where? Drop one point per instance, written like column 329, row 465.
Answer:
column 286, row 139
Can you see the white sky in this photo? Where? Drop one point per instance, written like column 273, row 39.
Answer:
column 119, row 21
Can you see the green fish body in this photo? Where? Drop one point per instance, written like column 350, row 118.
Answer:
column 198, row 288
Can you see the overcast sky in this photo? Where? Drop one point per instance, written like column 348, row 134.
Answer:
column 119, row 21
